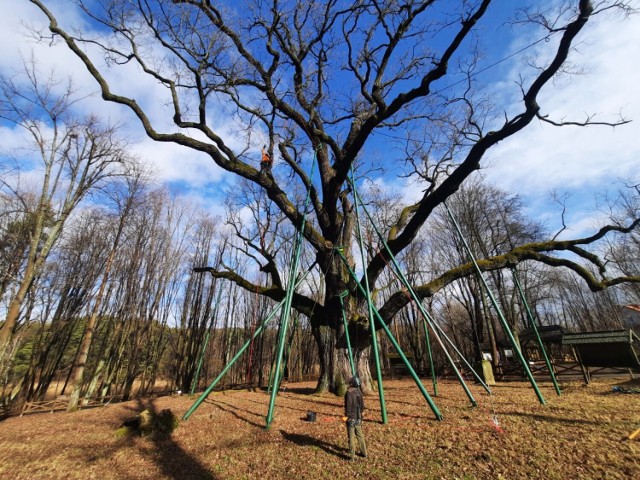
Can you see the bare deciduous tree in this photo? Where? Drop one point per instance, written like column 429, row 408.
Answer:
column 126, row 197
column 322, row 79
column 74, row 157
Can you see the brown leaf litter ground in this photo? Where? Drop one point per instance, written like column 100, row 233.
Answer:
column 580, row 434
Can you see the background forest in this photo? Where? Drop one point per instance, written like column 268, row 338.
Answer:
column 103, row 285
column 128, row 263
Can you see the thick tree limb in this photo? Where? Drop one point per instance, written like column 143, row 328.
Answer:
column 533, row 251
column 300, row 303
column 472, row 161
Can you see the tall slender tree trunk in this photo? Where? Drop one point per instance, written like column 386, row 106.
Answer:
column 87, row 338
column 94, row 381
column 13, row 314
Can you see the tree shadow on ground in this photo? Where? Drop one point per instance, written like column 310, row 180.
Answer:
column 306, row 440
column 311, row 400
column 414, row 404
column 299, row 390
column 233, row 410
column 172, row 460
column 633, row 382
column 312, row 407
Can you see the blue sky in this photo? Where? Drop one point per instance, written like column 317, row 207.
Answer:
column 582, row 163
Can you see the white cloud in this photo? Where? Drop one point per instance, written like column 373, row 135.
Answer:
column 174, row 163
column 582, row 160
column 13, row 140
column 582, row 224
column 537, row 160
column 407, row 189
column 171, row 162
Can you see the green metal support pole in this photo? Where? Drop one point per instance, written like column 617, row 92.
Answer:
column 535, row 330
column 293, row 272
column 255, row 335
column 427, row 341
column 194, row 384
column 289, row 344
column 494, row 302
column 275, row 355
column 395, row 344
column 274, row 358
column 346, row 333
column 426, row 316
column 277, row 374
column 210, row 388
column 372, row 327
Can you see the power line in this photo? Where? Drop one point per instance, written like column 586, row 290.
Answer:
column 488, row 67
column 474, row 74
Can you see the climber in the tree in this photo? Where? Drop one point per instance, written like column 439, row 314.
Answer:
column 265, row 162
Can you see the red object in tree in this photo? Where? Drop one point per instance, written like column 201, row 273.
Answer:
column 266, row 158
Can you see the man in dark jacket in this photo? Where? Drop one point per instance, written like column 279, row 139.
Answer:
column 353, row 408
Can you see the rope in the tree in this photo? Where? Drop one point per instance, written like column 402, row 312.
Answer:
column 503, row 321
column 367, row 295
column 410, row 293
column 286, row 309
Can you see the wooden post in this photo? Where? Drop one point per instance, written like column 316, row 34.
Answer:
column 585, row 370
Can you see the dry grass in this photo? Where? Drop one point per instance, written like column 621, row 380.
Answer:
column 581, row 434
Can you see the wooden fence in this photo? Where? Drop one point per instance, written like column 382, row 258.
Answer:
column 563, row 371
column 60, row 404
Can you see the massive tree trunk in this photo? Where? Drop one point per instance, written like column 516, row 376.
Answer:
column 325, row 338
column 361, row 356
column 335, row 367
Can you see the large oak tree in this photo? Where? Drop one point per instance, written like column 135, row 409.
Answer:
column 324, row 79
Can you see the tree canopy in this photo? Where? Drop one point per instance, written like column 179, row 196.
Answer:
column 336, row 82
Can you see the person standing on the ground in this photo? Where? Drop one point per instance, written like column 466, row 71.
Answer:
column 353, row 408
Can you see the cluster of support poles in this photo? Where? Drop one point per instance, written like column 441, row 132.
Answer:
column 428, row 322
column 285, row 309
